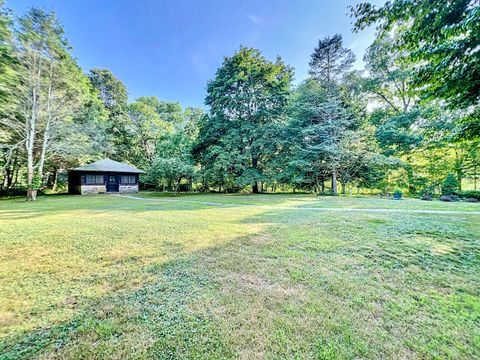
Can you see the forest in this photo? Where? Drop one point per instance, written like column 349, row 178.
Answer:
column 409, row 122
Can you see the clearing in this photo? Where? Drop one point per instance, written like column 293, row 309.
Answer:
column 238, row 276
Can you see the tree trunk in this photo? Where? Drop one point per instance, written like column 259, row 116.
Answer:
column 46, row 134
column 459, row 168
column 31, row 195
column 15, row 179
column 31, row 129
column 254, row 165
column 342, row 185
column 55, row 180
column 475, row 177
column 177, row 184
column 334, row 183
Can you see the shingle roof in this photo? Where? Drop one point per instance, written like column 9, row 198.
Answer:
column 107, row 165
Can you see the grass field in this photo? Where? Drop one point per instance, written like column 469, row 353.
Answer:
column 239, row 276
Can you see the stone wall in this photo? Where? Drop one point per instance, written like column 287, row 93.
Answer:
column 93, row 189
column 128, row 189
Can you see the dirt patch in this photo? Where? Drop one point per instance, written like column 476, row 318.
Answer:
column 261, row 239
column 254, row 282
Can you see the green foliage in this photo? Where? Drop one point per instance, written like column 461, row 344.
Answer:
column 113, row 96
column 36, row 182
column 170, row 172
column 471, row 194
column 330, row 61
column 450, row 185
column 246, row 98
column 369, row 130
column 440, row 39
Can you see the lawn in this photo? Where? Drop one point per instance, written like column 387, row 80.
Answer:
column 238, row 276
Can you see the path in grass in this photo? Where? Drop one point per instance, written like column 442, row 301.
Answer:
column 280, row 207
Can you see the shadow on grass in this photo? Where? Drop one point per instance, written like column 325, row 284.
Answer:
column 367, row 285
column 163, row 318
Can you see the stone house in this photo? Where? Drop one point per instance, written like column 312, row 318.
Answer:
column 103, row 176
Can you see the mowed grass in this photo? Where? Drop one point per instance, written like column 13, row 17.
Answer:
column 205, row 276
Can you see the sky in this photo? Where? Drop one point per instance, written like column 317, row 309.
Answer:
column 171, row 48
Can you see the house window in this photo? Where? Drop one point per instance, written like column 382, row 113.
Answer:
column 128, row 179
column 94, row 179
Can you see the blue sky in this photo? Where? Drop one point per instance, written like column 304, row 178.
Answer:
column 170, row 49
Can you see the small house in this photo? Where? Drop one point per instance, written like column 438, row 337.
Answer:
column 104, row 176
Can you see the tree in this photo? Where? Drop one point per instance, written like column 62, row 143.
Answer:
column 330, row 60
column 450, row 185
column 247, row 98
column 10, row 141
column 406, row 127
column 389, row 78
column 318, row 134
column 146, row 127
column 332, row 116
column 53, row 88
column 8, row 62
column 168, row 111
column 441, row 39
column 171, row 170
column 472, row 162
column 114, row 96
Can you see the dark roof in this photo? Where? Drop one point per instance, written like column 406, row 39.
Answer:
column 107, row 165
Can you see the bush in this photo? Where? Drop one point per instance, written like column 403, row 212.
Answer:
column 450, row 185
column 472, row 194
column 397, row 194
column 448, row 198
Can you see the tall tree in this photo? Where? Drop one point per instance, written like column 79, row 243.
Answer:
column 53, row 88
column 114, row 96
column 389, row 78
column 247, row 98
column 146, row 127
column 320, row 128
column 10, row 141
column 168, row 111
column 330, row 63
column 442, row 39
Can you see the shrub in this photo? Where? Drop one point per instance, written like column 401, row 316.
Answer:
column 471, row 194
column 36, row 182
column 450, row 185
column 448, row 198
column 397, row 194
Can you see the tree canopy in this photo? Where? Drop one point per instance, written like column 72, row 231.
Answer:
column 409, row 120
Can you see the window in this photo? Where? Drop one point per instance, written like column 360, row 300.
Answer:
column 93, row 179
column 129, row 179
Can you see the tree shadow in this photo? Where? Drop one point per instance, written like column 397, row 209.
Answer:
column 160, row 309
column 184, row 307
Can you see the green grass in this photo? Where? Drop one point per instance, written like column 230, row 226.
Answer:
column 110, row 277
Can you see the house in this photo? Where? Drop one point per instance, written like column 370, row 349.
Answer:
column 104, row 176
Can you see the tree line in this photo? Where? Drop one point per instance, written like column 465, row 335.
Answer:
column 408, row 121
